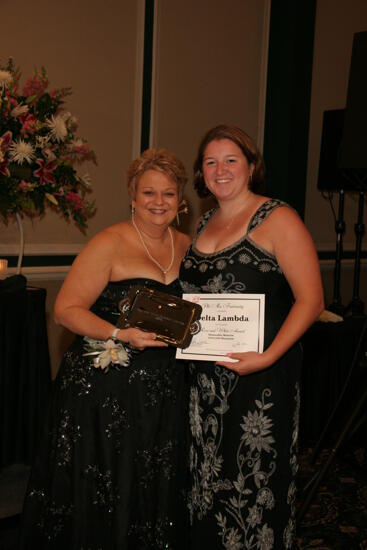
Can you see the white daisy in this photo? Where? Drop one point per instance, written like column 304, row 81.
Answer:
column 65, row 115
column 57, row 127
column 5, row 79
column 20, row 151
column 19, row 110
column 42, row 141
column 69, row 119
column 86, row 179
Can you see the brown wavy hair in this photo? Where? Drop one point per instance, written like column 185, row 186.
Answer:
column 161, row 160
column 248, row 148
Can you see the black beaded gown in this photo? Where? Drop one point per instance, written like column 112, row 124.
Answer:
column 111, row 469
column 243, row 439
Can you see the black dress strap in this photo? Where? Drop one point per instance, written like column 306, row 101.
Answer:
column 203, row 221
column 263, row 212
column 258, row 217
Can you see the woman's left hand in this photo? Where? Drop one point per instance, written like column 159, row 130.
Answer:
column 246, row 362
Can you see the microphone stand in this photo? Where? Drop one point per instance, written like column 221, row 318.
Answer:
column 336, row 305
column 357, row 305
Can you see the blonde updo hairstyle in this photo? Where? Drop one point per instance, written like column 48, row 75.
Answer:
column 160, row 160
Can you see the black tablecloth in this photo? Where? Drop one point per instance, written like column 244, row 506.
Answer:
column 25, row 375
column 329, row 349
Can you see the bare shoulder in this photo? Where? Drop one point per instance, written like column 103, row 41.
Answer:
column 285, row 217
column 117, row 231
column 103, row 243
column 289, row 236
column 283, row 230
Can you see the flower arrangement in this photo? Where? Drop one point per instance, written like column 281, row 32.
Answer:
column 39, row 150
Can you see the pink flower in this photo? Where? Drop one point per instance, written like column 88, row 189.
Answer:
column 24, row 186
column 75, row 200
column 48, row 154
column 35, row 85
column 44, row 172
column 29, row 125
column 80, row 152
column 4, row 170
column 81, row 149
column 5, row 140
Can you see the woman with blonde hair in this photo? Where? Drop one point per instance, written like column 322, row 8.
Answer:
column 110, row 471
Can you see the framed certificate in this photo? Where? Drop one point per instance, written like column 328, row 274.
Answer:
column 229, row 323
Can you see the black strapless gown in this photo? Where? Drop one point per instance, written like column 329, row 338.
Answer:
column 111, row 468
column 243, row 444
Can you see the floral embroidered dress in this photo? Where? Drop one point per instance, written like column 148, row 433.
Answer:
column 111, row 471
column 243, row 429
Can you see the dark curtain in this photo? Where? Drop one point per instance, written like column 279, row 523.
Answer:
column 329, row 352
column 25, row 376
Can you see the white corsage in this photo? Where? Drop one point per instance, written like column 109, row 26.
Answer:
column 106, row 353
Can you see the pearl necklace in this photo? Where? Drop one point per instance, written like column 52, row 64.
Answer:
column 164, row 271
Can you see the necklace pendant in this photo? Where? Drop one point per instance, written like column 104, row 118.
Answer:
column 164, row 271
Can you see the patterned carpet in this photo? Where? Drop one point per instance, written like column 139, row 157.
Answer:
column 335, row 520
column 337, row 516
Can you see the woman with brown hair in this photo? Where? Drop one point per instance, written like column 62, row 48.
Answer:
column 110, row 471
column 244, row 414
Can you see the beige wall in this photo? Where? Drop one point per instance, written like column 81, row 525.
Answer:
column 210, row 68
column 336, row 23
column 93, row 48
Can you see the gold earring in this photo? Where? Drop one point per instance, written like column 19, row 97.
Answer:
column 182, row 209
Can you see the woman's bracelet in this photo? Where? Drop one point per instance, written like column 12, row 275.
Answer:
column 115, row 333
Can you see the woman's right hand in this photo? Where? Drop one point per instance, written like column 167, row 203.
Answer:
column 139, row 339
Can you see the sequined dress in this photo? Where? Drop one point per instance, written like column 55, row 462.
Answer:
column 243, row 438
column 111, row 468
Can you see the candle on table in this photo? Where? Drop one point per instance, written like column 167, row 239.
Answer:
column 3, row 268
